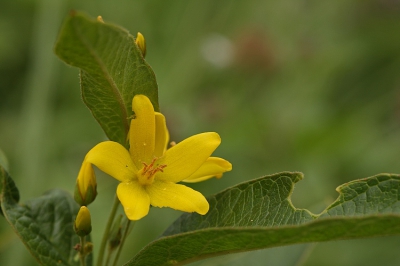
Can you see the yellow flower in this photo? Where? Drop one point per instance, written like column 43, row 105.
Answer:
column 149, row 172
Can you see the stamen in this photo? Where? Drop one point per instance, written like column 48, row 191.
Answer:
column 148, row 167
column 155, row 170
column 161, row 167
column 149, row 170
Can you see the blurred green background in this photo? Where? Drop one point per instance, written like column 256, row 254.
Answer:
column 310, row 86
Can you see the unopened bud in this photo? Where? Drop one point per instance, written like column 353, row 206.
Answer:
column 86, row 185
column 100, row 19
column 83, row 222
column 88, row 248
column 141, row 43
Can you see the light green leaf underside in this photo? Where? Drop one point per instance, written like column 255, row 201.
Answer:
column 112, row 70
column 44, row 224
column 259, row 214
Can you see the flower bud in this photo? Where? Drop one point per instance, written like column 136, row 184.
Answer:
column 83, row 222
column 86, row 185
column 141, row 43
column 88, row 248
column 100, row 19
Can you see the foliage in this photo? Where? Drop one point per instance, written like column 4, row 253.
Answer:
column 44, row 224
column 112, row 71
column 366, row 207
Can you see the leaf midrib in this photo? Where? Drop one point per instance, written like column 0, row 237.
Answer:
column 107, row 75
column 243, row 229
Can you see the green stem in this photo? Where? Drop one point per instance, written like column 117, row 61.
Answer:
column 122, row 242
column 108, row 257
column 107, row 231
column 82, row 254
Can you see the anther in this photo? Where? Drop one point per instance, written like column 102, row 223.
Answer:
column 155, row 170
column 148, row 167
column 149, row 170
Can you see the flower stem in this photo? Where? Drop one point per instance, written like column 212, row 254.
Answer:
column 108, row 257
column 82, row 253
column 126, row 232
column 107, row 231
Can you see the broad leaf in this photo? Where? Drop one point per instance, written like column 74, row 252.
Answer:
column 44, row 224
column 112, row 70
column 259, row 214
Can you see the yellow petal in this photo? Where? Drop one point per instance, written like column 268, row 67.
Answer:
column 183, row 159
column 86, row 185
column 86, row 177
column 134, row 199
column 113, row 159
column 162, row 135
column 212, row 167
column 142, row 131
column 83, row 222
column 178, row 197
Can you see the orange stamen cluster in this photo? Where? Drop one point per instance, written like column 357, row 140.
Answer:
column 150, row 170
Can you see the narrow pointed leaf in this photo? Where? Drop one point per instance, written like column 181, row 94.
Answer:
column 259, row 214
column 44, row 224
column 113, row 70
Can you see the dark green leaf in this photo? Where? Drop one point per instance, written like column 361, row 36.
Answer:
column 44, row 224
column 8, row 186
column 112, row 70
column 377, row 194
column 259, row 214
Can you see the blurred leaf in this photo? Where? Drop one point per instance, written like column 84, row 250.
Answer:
column 259, row 214
column 3, row 160
column 44, row 224
column 112, row 70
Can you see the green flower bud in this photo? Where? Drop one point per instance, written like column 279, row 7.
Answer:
column 83, row 222
column 86, row 185
column 141, row 43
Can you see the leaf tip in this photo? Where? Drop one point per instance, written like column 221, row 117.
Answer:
column 296, row 176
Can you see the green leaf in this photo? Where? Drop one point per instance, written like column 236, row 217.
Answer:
column 3, row 160
column 44, row 224
column 259, row 214
column 7, row 185
column 113, row 70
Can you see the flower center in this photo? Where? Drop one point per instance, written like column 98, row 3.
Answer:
column 147, row 173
